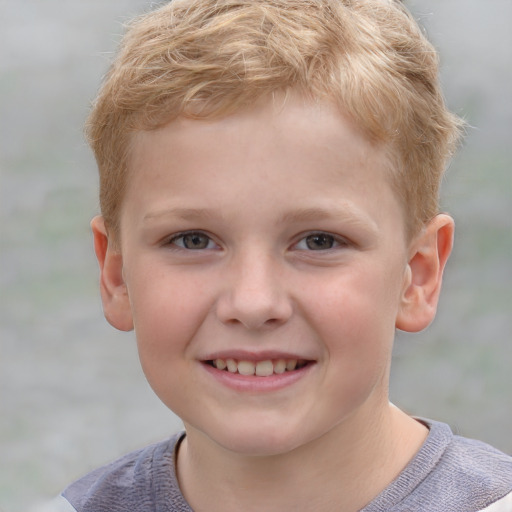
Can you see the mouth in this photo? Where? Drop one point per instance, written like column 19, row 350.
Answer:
column 264, row 368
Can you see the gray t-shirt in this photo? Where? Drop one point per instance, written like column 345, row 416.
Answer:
column 449, row 474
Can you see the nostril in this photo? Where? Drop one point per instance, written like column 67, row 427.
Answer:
column 254, row 298
column 272, row 321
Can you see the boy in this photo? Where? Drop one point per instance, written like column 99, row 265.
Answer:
column 269, row 175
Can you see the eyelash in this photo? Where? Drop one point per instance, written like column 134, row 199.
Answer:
column 173, row 240
column 322, row 236
column 336, row 241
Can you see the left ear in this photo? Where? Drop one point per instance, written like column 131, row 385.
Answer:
column 429, row 253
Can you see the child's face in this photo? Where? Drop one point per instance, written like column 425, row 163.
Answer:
column 270, row 235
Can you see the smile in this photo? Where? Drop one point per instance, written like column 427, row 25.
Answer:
column 264, row 368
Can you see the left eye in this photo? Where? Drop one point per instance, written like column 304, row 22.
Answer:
column 193, row 241
column 318, row 242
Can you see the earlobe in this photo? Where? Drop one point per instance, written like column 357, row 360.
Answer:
column 424, row 274
column 114, row 294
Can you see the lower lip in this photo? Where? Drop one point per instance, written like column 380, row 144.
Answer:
column 255, row 384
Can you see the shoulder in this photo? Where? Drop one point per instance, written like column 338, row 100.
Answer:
column 450, row 474
column 129, row 483
column 502, row 505
column 469, row 475
column 477, row 461
column 482, row 470
column 476, row 467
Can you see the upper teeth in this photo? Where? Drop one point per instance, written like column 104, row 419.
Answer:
column 259, row 368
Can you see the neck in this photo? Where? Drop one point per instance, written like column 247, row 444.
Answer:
column 342, row 470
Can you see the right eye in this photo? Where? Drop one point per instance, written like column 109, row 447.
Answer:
column 193, row 240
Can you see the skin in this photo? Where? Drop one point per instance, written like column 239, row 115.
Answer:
column 273, row 231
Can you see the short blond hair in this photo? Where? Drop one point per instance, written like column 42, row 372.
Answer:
column 210, row 58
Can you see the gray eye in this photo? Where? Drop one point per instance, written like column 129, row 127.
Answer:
column 320, row 241
column 193, row 241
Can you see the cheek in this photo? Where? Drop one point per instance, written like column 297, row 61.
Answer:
column 167, row 316
column 167, row 310
column 356, row 325
column 355, row 313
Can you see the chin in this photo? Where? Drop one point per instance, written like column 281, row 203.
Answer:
column 259, row 440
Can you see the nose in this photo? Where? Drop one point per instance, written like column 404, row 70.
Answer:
column 254, row 295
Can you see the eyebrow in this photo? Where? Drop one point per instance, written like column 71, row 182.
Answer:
column 307, row 214
column 180, row 213
column 342, row 212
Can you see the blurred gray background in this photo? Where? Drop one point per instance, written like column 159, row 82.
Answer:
column 72, row 395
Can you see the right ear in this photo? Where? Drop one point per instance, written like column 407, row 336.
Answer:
column 114, row 294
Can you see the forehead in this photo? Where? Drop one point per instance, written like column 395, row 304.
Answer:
column 278, row 123
column 282, row 151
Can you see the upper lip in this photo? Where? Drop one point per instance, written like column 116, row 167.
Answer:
column 245, row 355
